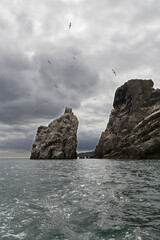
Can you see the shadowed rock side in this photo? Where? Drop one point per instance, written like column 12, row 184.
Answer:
column 58, row 140
column 133, row 131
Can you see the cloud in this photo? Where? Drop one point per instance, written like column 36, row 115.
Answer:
column 46, row 66
column 40, row 86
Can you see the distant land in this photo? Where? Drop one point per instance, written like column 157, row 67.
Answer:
column 86, row 154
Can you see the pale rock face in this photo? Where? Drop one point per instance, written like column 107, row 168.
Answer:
column 133, row 130
column 58, row 140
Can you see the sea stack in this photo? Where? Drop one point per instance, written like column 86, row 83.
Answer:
column 133, row 131
column 58, row 140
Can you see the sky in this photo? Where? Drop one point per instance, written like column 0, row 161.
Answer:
column 46, row 66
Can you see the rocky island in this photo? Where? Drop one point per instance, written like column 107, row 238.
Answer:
column 133, row 130
column 58, row 140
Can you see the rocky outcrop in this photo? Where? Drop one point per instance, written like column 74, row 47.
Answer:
column 133, row 131
column 58, row 140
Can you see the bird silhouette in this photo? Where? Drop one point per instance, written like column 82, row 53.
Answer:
column 49, row 62
column 56, row 86
column 70, row 25
column 114, row 72
column 74, row 58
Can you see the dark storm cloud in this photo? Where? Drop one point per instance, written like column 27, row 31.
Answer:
column 33, row 87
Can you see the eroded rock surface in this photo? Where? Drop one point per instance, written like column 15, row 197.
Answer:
column 133, row 131
column 58, row 140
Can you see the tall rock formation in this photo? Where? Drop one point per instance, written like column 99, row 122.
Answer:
column 133, row 131
column 58, row 140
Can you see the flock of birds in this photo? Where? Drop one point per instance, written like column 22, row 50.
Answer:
column 75, row 58
column 49, row 62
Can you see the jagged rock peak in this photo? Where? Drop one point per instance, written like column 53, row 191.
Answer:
column 133, row 130
column 132, row 91
column 68, row 110
column 58, row 140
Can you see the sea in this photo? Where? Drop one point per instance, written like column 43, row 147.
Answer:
column 83, row 199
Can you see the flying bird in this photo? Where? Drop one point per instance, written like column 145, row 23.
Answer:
column 49, row 62
column 114, row 72
column 70, row 25
column 74, row 58
column 56, row 86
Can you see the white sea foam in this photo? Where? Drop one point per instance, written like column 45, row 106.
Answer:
column 21, row 235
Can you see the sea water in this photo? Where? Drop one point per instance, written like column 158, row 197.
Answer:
column 87, row 199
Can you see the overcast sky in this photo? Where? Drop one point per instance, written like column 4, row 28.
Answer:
column 45, row 66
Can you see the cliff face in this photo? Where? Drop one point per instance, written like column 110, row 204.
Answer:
column 133, row 131
column 58, row 140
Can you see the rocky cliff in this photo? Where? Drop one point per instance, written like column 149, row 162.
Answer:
column 133, row 131
column 58, row 140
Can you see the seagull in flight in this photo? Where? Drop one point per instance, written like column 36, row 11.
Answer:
column 70, row 25
column 56, row 86
column 114, row 72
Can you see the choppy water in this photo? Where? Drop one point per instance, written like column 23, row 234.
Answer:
column 79, row 199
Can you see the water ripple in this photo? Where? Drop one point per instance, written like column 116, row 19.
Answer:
column 79, row 199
